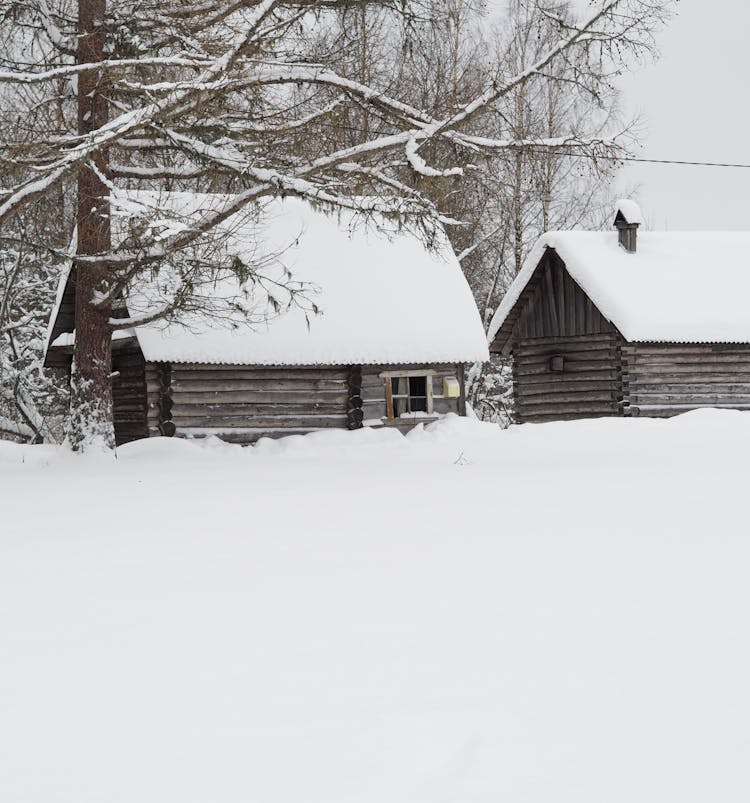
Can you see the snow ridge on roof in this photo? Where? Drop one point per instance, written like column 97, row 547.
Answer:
column 679, row 287
column 384, row 297
column 630, row 210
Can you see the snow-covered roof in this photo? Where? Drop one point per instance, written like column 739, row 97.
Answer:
column 383, row 296
column 630, row 210
column 686, row 287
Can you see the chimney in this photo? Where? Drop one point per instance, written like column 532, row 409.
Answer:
column 627, row 219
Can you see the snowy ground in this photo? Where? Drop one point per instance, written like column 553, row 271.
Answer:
column 550, row 613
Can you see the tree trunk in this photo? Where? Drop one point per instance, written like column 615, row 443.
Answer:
column 91, row 390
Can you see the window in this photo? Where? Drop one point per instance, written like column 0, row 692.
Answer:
column 408, row 393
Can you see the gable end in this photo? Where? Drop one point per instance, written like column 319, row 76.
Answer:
column 551, row 305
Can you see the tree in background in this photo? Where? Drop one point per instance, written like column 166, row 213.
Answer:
column 243, row 96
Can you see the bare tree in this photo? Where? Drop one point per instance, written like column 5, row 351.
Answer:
column 175, row 95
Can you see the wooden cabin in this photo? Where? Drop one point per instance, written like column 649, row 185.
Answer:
column 396, row 325
column 628, row 323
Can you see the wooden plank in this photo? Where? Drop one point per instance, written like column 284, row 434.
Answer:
column 589, row 324
column 560, row 292
column 554, row 327
column 580, row 310
column 404, row 372
column 388, row 399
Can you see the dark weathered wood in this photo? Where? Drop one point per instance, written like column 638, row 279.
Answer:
column 269, row 422
column 247, row 411
column 552, row 305
column 609, row 373
column 260, row 397
column 605, row 397
column 589, row 383
column 545, row 390
column 665, row 379
column 129, row 395
column 579, row 408
column 572, row 366
column 186, row 371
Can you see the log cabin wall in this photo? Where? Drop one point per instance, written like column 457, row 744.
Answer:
column 241, row 404
column 557, row 378
column 129, row 401
column 663, row 380
column 567, row 360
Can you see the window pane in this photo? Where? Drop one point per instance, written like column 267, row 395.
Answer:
column 418, row 386
column 399, row 391
column 418, row 394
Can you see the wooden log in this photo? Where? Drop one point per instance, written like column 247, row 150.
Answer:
column 696, row 400
column 657, row 386
column 608, row 355
column 690, row 359
column 583, row 339
column 598, row 397
column 686, row 349
column 275, row 422
column 582, row 376
column 667, row 411
column 572, row 366
column 549, row 417
column 373, row 410
column 261, row 396
column 194, row 371
column 250, row 410
column 581, row 407
column 443, row 406
column 355, row 419
column 692, row 374
column 550, row 388
column 299, row 385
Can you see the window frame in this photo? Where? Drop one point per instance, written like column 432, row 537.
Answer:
column 387, row 376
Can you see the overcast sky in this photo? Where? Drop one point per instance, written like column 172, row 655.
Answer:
column 694, row 105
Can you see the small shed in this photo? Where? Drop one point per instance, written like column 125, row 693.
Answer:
column 628, row 323
column 396, row 326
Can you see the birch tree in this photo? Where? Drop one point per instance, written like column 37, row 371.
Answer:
column 193, row 94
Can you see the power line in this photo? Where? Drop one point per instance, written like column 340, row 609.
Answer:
column 653, row 161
